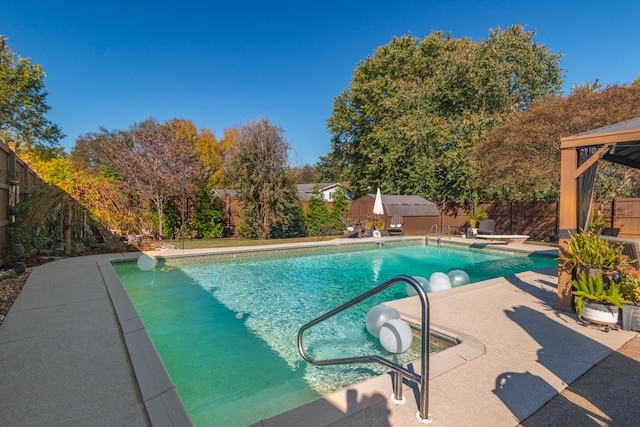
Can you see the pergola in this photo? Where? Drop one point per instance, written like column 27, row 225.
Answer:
column 617, row 143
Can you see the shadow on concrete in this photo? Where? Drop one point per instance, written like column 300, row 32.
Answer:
column 604, row 397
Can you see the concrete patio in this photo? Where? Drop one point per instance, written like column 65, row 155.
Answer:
column 68, row 357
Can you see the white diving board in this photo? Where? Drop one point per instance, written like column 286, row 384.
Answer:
column 506, row 238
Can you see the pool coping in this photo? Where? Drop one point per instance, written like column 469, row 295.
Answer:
column 160, row 396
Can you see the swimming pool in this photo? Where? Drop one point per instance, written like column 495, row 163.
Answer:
column 226, row 326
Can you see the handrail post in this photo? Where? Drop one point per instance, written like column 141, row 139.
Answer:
column 423, row 411
column 446, row 227
column 397, row 396
column 426, row 240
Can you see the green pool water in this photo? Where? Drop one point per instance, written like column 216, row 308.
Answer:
column 226, row 326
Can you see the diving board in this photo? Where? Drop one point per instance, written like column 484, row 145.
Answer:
column 506, row 238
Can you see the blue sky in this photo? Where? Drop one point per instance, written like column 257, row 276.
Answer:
column 223, row 64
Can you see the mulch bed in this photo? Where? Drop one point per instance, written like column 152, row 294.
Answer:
column 10, row 286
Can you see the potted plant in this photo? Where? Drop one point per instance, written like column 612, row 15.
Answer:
column 596, row 301
column 478, row 215
column 630, row 289
column 587, row 251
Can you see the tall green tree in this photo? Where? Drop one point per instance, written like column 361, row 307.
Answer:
column 258, row 168
column 23, row 106
column 317, row 213
column 339, row 208
column 416, row 108
column 209, row 217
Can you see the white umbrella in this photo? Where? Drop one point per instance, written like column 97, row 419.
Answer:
column 377, row 205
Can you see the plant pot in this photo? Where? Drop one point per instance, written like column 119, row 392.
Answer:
column 601, row 314
column 631, row 317
column 607, row 275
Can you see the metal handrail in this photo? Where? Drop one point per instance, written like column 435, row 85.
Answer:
column 446, row 227
column 426, row 242
column 400, row 372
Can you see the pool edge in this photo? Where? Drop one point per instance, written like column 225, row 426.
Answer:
column 158, row 393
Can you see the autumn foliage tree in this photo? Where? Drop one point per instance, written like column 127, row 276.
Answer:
column 155, row 160
column 520, row 160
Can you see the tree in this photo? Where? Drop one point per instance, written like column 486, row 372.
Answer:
column 306, row 174
column 520, row 160
column 339, row 208
column 209, row 216
column 111, row 200
column 416, row 108
column 23, row 106
column 213, row 155
column 317, row 213
column 156, row 160
column 74, row 205
column 258, row 168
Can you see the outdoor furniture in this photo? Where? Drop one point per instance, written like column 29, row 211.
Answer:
column 610, row 231
column 396, row 226
column 486, row 226
column 355, row 230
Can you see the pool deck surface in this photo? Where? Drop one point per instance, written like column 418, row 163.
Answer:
column 72, row 352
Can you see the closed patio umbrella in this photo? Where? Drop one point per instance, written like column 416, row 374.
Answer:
column 377, row 205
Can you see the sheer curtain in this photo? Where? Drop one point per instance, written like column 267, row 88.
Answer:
column 586, row 184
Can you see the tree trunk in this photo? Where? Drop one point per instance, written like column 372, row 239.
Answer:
column 67, row 228
column 160, row 218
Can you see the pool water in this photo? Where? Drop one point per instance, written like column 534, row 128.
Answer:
column 226, row 326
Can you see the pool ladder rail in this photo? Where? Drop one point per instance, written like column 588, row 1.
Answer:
column 400, row 372
column 445, row 228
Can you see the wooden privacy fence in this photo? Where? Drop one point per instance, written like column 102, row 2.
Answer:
column 539, row 219
column 16, row 178
column 623, row 214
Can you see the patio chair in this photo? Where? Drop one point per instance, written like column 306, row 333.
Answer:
column 396, row 226
column 632, row 250
column 487, row 226
column 610, row 231
column 355, row 230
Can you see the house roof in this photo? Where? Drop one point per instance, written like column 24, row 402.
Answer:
column 407, row 205
column 305, row 190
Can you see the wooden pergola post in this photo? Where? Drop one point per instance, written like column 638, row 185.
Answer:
column 567, row 221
